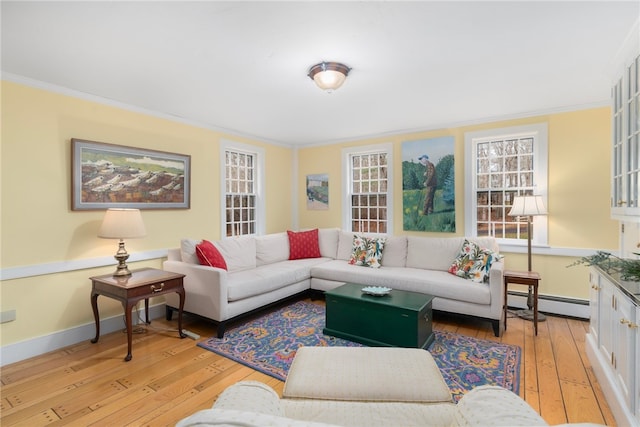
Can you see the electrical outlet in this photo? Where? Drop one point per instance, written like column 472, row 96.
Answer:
column 7, row 316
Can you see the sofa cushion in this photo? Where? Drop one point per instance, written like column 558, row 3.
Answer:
column 473, row 262
column 395, row 251
column 209, row 255
column 366, row 251
column 303, row 244
column 432, row 253
column 345, row 245
column 267, row 278
column 272, row 248
column 188, row 251
column 328, row 241
column 357, row 373
column 436, row 283
column 238, row 252
column 369, row 414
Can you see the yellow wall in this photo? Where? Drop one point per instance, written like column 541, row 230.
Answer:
column 579, row 158
column 38, row 226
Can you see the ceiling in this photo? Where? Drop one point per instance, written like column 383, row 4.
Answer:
column 240, row 66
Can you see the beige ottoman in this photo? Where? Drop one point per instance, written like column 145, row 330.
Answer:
column 371, row 374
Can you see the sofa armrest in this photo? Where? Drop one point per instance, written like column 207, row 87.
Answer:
column 205, row 288
column 235, row 418
column 496, row 289
column 251, row 396
column 494, row 406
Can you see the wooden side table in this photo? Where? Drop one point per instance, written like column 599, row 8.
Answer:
column 142, row 284
column 526, row 278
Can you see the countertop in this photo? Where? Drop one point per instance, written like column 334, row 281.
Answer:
column 631, row 289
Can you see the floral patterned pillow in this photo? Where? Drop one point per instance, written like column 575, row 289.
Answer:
column 367, row 252
column 474, row 262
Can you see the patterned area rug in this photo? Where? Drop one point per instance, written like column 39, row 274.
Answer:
column 269, row 343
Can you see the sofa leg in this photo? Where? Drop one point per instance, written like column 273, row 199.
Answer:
column 496, row 327
column 221, row 329
column 168, row 312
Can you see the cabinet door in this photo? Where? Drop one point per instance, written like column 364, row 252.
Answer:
column 606, row 313
column 636, row 333
column 594, row 303
column 624, row 345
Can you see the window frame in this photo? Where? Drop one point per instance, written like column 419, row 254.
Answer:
column 347, row 176
column 259, row 159
column 539, row 132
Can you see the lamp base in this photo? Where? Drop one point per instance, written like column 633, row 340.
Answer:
column 528, row 315
column 122, row 271
column 121, row 256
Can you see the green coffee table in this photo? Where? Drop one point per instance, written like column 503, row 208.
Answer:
column 398, row 319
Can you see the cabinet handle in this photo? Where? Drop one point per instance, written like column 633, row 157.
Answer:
column 632, row 325
column 426, row 318
column 159, row 289
column 624, row 321
column 595, row 287
column 622, row 203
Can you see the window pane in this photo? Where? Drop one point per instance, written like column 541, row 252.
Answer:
column 504, row 169
column 240, row 203
column 369, row 185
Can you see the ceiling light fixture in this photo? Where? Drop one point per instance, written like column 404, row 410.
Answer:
column 329, row 76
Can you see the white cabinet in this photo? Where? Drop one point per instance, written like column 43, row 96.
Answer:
column 613, row 346
column 623, row 345
column 636, row 331
column 625, row 159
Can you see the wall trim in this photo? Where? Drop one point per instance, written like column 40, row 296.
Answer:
column 73, row 265
column 83, row 264
column 12, row 353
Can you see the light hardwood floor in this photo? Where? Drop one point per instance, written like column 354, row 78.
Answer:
column 170, row 378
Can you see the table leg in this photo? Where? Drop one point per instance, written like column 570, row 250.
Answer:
column 504, row 307
column 146, row 311
column 535, row 308
column 94, row 305
column 127, row 315
column 181, row 293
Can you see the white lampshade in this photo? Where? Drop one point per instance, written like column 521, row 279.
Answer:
column 122, row 224
column 527, row 206
column 329, row 76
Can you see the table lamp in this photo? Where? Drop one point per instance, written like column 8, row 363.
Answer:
column 528, row 206
column 122, row 224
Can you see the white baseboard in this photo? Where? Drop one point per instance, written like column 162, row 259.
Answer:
column 22, row 350
column 553, row 305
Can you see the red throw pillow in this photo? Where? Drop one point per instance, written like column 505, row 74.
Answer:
column 303, row 244
column 209, row 255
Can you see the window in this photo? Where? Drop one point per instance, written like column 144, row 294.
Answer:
column 242, row 211
column 502, row 164
column 368, row 197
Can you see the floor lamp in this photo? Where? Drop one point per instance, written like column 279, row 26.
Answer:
column 528, row 206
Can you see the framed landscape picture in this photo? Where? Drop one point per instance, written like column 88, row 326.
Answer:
column 428, row 185
column 318, row 192
column 113, row 176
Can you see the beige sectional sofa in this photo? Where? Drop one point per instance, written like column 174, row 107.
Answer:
column 259, row 272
